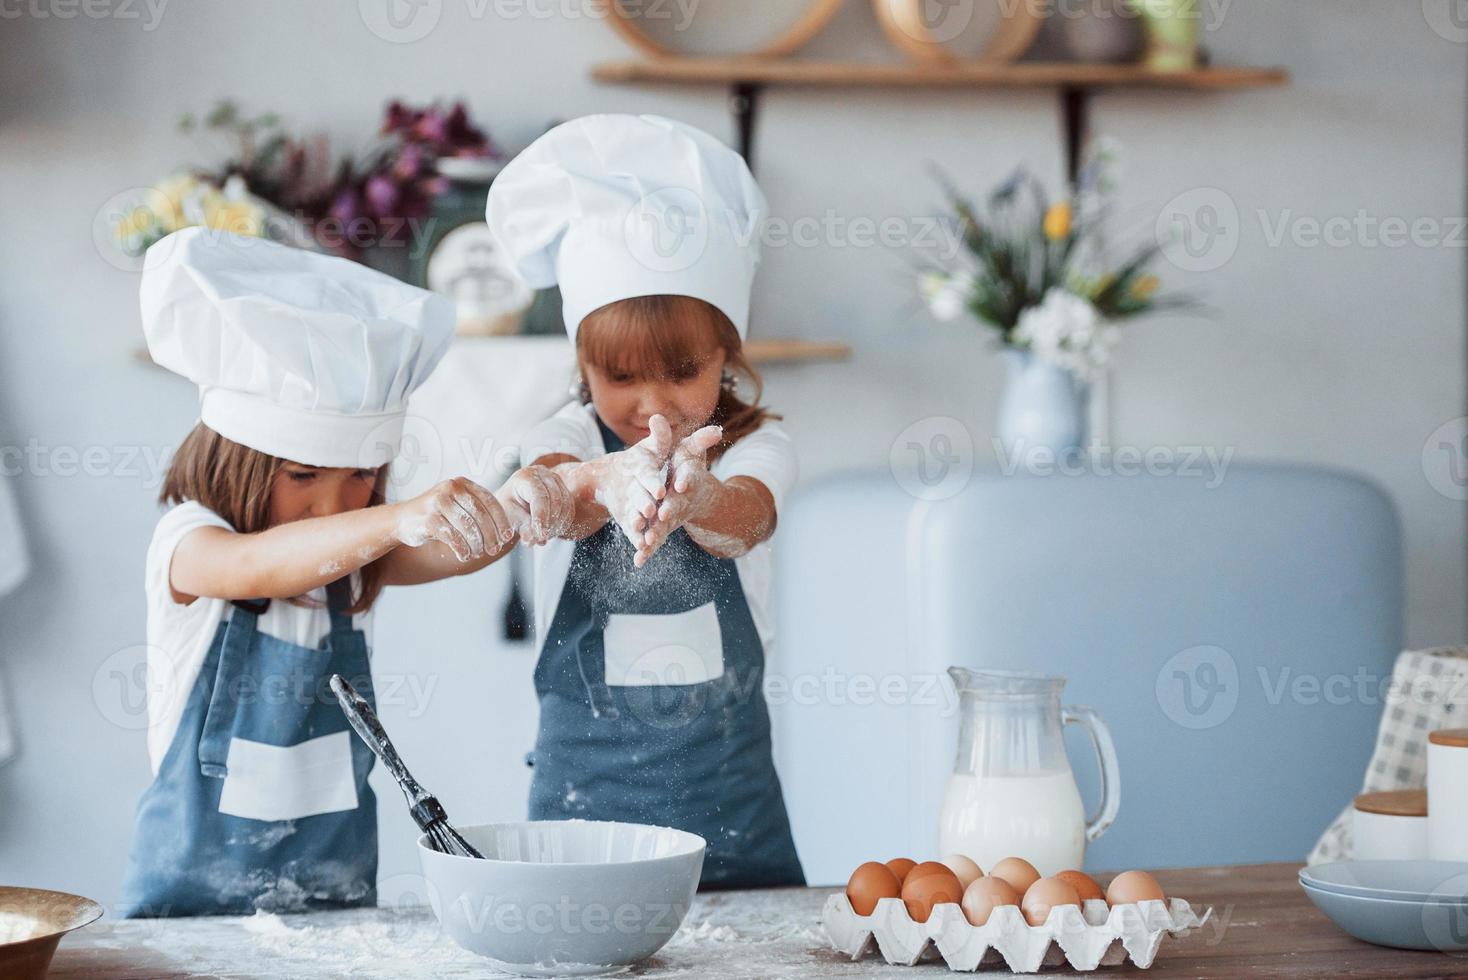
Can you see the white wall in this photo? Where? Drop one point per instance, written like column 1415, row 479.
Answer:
column 1351, row 356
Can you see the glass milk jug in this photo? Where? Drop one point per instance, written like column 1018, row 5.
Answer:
column 1012, row 792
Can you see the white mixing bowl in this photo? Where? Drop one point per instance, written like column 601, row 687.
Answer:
column 564, row 897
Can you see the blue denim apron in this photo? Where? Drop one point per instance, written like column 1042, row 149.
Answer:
column 652, row 706
column 261, row 801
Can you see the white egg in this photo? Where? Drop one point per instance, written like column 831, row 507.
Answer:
column 964, row 867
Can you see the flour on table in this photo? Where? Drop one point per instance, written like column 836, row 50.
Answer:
column 751, row 935
column 385, row 945
column 703, row 932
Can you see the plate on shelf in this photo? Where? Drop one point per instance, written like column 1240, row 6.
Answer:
column 984, row 31
column 714, row 28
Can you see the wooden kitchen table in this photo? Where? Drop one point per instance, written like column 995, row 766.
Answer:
column 1262, row 926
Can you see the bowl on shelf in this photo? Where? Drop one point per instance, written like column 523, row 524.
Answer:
column 565, row 897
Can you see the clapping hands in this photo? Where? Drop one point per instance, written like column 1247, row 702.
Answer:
column 654, row 487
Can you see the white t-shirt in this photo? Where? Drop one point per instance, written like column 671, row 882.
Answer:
column 179, row 635
column 766, row 454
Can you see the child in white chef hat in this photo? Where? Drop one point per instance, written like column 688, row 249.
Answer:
column 261, row 576
column 653, row 613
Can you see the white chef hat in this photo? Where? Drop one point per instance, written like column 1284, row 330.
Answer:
column 299, row 355
column 615, row 206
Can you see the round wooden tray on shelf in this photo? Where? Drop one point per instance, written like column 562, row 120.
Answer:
column 902, row 20
column 817, row 14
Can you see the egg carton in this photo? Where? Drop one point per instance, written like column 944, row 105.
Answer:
column 1088, row 937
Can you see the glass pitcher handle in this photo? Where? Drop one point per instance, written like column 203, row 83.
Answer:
column 1088, row 719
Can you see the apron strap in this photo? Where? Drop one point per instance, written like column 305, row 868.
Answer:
column 591, row 661
column 338, row 601
column 218, row 729
column 611, row 442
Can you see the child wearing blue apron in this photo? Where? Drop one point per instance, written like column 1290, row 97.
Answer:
column 261, row 576
column 652, row 611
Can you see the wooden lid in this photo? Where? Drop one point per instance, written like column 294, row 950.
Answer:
column 1394, row 803
column 1450, row 736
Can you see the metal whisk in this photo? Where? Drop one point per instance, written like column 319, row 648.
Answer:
column 427, row 812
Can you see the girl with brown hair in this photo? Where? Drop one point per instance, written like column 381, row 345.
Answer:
column 653, row 610
column 261, row 576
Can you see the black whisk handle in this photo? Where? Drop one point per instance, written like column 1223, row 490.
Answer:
column 427, row 812
column 364, row 721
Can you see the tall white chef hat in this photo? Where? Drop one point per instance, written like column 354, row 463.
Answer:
column 300, row 355
column 616, row 206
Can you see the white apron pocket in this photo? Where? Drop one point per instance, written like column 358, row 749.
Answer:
column 660, row 650
column 285, row 782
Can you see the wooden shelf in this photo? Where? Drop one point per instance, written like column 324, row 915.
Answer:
column 748, row 75
column 794, row 71
column 785, row 351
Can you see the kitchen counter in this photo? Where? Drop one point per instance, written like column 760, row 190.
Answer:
column 1262, row 925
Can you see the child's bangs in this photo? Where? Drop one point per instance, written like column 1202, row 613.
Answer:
column 651, row 336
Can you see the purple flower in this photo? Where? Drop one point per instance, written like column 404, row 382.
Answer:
column 382, row 194
column 398, row 117
column 464, row 137
column 431, row 127
column 410, row 163
column 346, row 206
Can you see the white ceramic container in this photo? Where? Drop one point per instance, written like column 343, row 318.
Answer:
column 1390, row 826
column 1447, row 795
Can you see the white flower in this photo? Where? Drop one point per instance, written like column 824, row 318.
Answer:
column 1066, row 330
column 947, row 297
column 235, row 190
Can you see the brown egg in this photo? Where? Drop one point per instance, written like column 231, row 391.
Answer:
column 921, row 892
column 964, row 867
column 900, row 867
column 1017, row 871
column 1044, row 895
column 1131, row 887
column 986, row 894
column 870, row 882
column 928, row 868
column 1085, row 886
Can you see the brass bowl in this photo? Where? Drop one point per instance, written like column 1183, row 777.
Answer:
column 55, row 914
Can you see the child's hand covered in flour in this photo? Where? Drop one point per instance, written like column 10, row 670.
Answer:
column 459, row 513
column 691, row 489
column 538, row 503
column 630, row 484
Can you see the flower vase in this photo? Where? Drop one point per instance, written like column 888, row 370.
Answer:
column 1171, row 28
column 1044, row 407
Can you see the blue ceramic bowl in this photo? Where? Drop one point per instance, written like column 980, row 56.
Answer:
column 1440, row 926
column 1404, row 881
